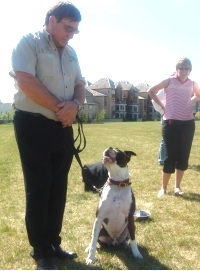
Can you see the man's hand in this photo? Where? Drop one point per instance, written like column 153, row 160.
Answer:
column 67, row 113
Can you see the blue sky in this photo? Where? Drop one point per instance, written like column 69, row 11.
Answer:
column 125, row 40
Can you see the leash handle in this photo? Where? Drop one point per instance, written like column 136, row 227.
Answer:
column 78, row 149
column 79, row 136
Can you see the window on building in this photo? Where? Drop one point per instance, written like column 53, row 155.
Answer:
column 135, row 109
column 122, row 107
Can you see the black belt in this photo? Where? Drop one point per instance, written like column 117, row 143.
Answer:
column 37, row 115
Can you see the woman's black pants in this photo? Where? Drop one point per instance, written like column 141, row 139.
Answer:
column 178, row 136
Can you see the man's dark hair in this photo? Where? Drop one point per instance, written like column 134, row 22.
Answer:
column 63, row 10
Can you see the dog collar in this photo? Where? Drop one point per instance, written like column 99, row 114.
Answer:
column 123, row 183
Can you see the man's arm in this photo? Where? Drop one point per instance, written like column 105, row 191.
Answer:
column 79, row 92
column 34, row 89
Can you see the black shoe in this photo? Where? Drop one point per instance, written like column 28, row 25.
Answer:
column 46, row 264
column 63, row 254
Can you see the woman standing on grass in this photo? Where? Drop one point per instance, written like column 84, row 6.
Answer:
column 178, row 121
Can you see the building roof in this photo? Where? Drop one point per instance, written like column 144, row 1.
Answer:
column 102, row 83
column 141, row 98
column 88, row 93
column 89, row 100
column 95, row 93
column 88, row 83
column 124, row 85
column 142, row 87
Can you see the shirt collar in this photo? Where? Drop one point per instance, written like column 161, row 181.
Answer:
column 47, row 35
column 49, row 38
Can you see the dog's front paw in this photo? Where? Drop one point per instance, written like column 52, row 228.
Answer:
column 89, row 261
column 135, row 250
column 137, row 254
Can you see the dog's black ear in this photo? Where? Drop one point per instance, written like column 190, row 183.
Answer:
column 129, row 153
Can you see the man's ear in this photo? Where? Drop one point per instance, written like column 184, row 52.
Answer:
column 129, row 153
column 52, row 20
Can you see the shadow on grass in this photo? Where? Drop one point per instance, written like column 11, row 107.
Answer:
column 188, row 196
column 74, row 265
column 194, row 167
column 123, row 253
column 191, row 196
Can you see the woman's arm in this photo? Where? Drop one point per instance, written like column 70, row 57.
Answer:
column 154, row 90
column 196, row 91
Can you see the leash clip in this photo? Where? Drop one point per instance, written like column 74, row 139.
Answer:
column 123, row 184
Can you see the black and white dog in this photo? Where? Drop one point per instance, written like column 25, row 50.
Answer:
column 114, row 222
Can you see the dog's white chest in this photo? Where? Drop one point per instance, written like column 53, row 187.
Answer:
column 120, row 200
column 115, row 206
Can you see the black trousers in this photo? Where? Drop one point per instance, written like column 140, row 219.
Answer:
column 178, row 136
column 46, row 152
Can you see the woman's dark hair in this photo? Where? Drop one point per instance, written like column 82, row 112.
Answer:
column 63, row 10
column 184, row 61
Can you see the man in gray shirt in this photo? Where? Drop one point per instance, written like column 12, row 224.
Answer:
column 50, row 92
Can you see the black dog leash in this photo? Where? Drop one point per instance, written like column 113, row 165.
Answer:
column 79, row 137
column 81, row 146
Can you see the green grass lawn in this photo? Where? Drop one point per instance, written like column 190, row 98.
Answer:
column 169, row 240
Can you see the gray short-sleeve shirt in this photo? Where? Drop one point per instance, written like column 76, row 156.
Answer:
column 37, row 54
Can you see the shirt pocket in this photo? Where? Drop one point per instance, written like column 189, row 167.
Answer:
column 45, row 65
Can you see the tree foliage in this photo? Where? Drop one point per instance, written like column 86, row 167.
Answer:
column 7, row 115
column 97, row 118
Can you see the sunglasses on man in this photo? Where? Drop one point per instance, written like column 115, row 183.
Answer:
column 70, row 29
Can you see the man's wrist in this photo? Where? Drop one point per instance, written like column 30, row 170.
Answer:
column 78, row 103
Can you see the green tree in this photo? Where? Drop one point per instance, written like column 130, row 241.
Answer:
column 83, row 118
column 99, row 117
column 7, row 115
